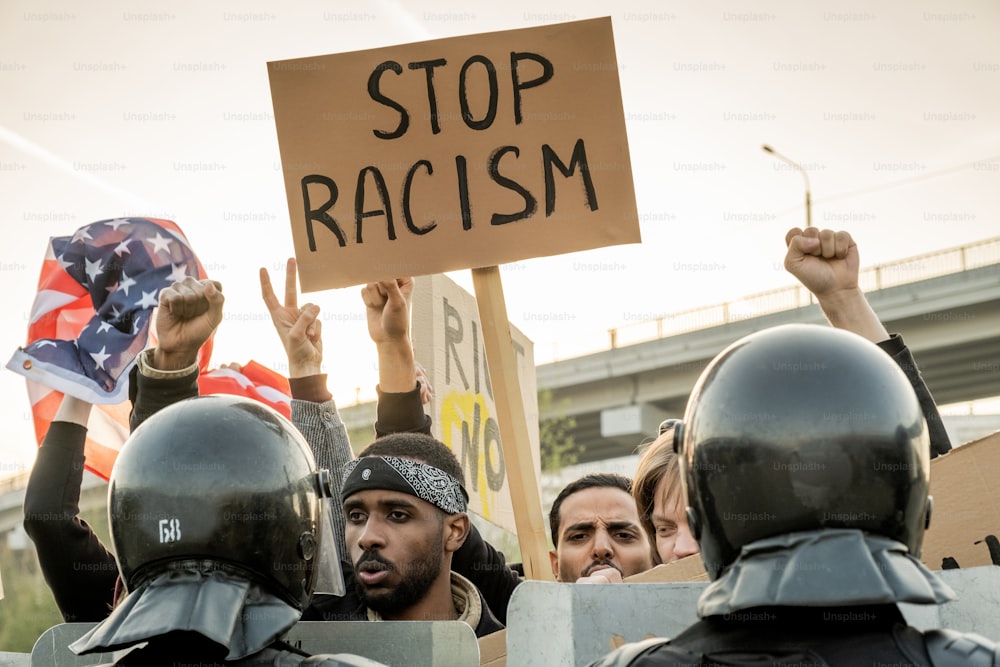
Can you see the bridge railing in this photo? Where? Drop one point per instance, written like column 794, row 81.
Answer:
column 909, row 270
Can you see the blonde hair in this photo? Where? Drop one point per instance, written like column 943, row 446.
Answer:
column 658, row 463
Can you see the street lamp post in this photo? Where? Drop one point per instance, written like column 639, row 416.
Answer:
column 805, row 176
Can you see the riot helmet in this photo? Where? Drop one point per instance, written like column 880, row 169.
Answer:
column 798, row 428
column 224, row 481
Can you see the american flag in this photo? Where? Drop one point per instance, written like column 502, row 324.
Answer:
column 96, row 294
column 253, row 380
column 93, row 315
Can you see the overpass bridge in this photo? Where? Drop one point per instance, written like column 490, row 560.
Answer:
column 945, row 304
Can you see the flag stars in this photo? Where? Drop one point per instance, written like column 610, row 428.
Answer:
column 122, row 247
column 100, row 357
column 148, row 299
column 66, row 265
column 125, row 283
column 178, row 274
column 104, row 327
column 94, row 269
column 160, row 244
column 116, row 223
column 81, row 235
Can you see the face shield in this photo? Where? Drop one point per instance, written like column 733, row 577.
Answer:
column 329, row 575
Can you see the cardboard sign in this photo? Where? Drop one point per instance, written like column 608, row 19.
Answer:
column 965, row 520
column 447, row 340
column 454, row 153
column 686, row 569
column 493, row 649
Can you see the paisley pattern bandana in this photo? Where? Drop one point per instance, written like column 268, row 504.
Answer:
column 413, row 477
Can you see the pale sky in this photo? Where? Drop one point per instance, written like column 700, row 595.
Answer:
column 139, row 108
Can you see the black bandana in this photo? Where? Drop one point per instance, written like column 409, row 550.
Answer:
column 417, row 479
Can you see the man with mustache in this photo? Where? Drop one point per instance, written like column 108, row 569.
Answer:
column 596, row 532
column 405, row 510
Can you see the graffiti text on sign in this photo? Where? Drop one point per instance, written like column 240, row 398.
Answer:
column 474, row 436
column 454, row 336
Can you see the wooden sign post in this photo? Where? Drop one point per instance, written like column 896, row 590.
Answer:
column 513, row 427
column 459, row 153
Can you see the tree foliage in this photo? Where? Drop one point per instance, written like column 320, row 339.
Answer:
column 557, row 447
column 28, row 608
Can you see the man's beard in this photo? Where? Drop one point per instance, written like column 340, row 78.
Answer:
column 412, row 586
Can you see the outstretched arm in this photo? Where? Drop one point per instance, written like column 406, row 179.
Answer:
column 299, row 329
column 401, row 394
column 189, row 312
column 387, row 309
column 827, row 264
column 79, row 570
column 314, row 411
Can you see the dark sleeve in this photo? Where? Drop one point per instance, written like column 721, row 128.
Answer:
column 311, row 388
column 483, row 565
column 76, row 566
column 150, row 395
column 400, row 413
column 896, row 348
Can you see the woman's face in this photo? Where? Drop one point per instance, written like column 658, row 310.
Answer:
column 673, row 536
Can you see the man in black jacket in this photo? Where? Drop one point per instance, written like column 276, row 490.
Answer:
column 405, row 508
